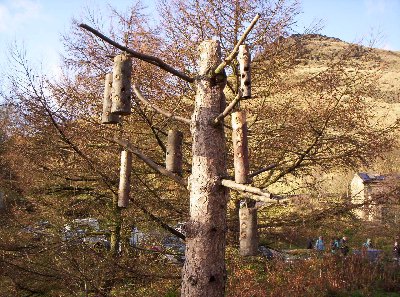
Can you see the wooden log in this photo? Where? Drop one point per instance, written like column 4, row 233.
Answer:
column 125, row 178
column 245, row 188
column 173, row 158
column 121, row 85
column 107, row 117
column 248, row 237
column 240, row 147
column 245, row 71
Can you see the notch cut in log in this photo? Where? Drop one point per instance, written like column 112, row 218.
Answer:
column 173, row 156
column 240, row 147
column 121, row 85
column 125, row 178
column 248, row 237
column 245, row 71
column 107, row 117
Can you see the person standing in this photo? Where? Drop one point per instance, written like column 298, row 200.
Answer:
column 319, row 244
column 396, row 251
column 344, row 248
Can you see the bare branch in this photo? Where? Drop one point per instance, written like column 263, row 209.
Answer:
column 245, row 188
column 147, row 58
column 128, row 146
column 234, row 52
column 156, row 108
column 269, row 167
column 231, row 106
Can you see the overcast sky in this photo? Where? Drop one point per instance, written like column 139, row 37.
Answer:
column 37, row 24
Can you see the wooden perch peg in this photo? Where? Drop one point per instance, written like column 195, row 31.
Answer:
column 173, row 158
column 121, row 85
column 240, row 147
column 124, row 178
column 107, row 117
column 245, row 71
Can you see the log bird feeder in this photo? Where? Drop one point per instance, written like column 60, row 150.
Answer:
column 245, row 71
column 121, row 85
column 124, row 178
column 108, row 117
column 240, row 147
column 173, row 156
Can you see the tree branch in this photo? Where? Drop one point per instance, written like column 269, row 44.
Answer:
column 128, row 146
column 156, row 108
column 232, row 105
column 245, row 188
column 269, row 167
column 234, row 52
column 147, row 58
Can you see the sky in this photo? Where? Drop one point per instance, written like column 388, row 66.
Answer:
column 37, row 24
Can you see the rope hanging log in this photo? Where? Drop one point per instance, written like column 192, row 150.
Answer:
column 107, row 117
column 125, row 178
column 121, row 85
column 173, row 156
column 245, row 71
column 248, row 236
column 240, row 147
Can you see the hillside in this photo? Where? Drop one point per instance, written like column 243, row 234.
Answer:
column 319, row 50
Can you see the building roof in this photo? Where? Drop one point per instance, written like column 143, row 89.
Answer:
column 371, row 177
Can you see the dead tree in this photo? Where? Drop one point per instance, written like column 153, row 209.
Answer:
column 204, row 272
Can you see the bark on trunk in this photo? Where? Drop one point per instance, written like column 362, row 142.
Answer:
column 248, row 237
column 245, row 71
column 125, row 178
column 121, row 85
column 240, row 147
column 204, row 271
column 173, row 158
column 107, row 117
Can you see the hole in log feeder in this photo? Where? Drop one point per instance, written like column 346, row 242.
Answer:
column 121, row 85
column 245, row 70
column 107, row 117
column 240, row 147
column 173, row 156
column 125, row 178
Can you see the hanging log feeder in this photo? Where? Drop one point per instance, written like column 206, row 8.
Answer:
column 245, row 71
column 173, row 156
column 107, row 117
column 248, row 237
column 240, row 147
column 124, row 178
column 121, row 85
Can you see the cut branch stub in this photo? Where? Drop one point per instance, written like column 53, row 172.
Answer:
column 248, row 237
column 107, row 117
column 121, row 85
column 245, row 71
column 124, row 178
column 173, row 158
column 240, row 147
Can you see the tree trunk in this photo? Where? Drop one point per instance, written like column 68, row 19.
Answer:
column 204, row 272
column 248, row 237
column 173, row 158
column 115, row 239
